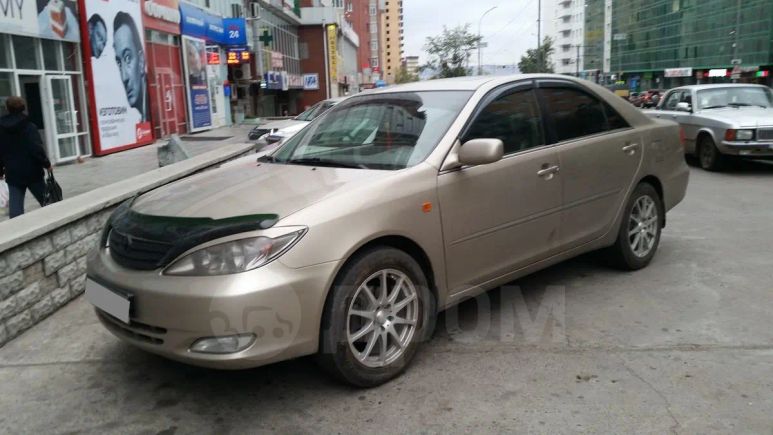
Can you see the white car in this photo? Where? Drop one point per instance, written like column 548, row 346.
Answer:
column 287, row 127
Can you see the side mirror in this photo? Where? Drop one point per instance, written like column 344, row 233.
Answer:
column 683, row 107
column 481, row 152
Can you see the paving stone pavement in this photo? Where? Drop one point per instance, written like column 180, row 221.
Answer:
column 94, row 172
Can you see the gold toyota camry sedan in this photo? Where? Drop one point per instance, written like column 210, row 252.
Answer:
column 347, row 239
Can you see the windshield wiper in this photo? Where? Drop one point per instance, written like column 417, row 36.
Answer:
column 719, row 106
column 316, row 161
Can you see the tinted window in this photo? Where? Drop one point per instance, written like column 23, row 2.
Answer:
column 574, row 113
column 513, row 118
column 614, row 119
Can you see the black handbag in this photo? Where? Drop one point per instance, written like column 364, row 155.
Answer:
column 53, row 190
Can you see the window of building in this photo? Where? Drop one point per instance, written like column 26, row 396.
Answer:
column 25, row 52
column 514, row 119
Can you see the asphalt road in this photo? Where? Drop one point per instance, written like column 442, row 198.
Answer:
column 683, row 346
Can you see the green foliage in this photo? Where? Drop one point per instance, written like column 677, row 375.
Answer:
column 403, row 76
column 449, row 53
column 538, row 61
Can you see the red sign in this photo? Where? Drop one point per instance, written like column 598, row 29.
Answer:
column 161, row 15
column 213, row 57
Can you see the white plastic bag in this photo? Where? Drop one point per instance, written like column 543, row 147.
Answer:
column 3, row 198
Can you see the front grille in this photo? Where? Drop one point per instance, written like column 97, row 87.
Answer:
column 765, row 134
column 136, row 253
column 134, row 330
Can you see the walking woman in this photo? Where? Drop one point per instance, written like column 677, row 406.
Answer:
column 22, row 156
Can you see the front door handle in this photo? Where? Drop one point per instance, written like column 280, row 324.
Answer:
column 630, row 149
column 548, row 172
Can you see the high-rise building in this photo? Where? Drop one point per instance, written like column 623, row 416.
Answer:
column 411, row 64
column 666, row 43
column 365, row 21
column 392, row 38
column 567, row 31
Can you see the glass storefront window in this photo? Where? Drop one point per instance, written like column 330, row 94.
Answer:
column 51, row 55
column 71, row 58
column 5, row 58
column 25, row 52
column 6, row 89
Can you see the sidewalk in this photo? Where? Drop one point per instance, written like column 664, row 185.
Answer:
column 94, row 172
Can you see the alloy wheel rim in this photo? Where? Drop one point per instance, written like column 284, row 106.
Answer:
column 643, row 226
column 382, row 318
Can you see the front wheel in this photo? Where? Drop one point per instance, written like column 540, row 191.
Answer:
column 709, row 157
column 379, row 310
column 639, row 234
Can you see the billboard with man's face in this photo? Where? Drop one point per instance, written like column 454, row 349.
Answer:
column 199, row 106
column 115, row 55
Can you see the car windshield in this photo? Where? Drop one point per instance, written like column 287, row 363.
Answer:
column 735, row 97
column 382, row 131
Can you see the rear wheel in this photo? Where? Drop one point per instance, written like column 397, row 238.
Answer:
column 379, row 310
column 639, row 234
column 709, row 156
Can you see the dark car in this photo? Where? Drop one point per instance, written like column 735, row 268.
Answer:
column 651, row 98
column 635, row 98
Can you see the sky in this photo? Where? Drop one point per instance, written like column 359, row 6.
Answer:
column 509, row 30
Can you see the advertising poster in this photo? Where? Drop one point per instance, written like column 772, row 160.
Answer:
column 50, row 19
column 195, row 61
column 116, row 57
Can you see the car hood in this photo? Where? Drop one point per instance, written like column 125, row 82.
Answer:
column 743, row 117
column 280, row 124
column 247, row 188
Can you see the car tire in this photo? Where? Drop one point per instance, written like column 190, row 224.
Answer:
column 639, row 234
column 709, row 157
column 357, row 323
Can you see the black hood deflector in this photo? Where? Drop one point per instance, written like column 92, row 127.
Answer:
column 178, row 234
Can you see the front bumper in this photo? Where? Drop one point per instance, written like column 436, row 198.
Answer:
column 280, row 305
column 747, row 149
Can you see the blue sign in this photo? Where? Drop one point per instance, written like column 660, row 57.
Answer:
column 200, row 110
column 235, row 31
column 311, row 82
column 199, row 23
column 381, row 83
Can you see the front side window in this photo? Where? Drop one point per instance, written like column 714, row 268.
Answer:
column 736, row 96
column 514, row 119
column 574, row 113
column 310, row 113
column 672, row 100
column 381, row 131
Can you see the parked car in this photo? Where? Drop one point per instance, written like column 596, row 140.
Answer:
column 294, row 124
column 635, row 98
column 721, row 120
column 651, row 98
column 334, row 243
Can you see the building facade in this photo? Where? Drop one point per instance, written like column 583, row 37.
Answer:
column 41, row 61
column 568, row 29
column 392, row 39
column 411, row 64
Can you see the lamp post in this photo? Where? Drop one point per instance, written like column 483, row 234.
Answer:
column 480, row 22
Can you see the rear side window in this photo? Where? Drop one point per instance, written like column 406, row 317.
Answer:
column 513, row 118
column 574, row 113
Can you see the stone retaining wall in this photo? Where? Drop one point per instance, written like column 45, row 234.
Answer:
column 43, row 254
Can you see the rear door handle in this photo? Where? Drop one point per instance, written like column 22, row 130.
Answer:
column 630, row 148
column 548, row 172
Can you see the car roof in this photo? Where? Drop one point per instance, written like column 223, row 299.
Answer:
column 720, row 85
column 468, row 83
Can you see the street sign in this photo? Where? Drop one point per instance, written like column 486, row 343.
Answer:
column 620, row 36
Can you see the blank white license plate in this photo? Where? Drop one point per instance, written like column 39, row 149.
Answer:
column 108, row 301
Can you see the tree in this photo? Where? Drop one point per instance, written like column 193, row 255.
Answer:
column 449, row 53
column 538, row 60
column 403, row 76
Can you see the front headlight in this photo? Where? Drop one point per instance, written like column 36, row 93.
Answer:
column 744, row 134
column 233, row 257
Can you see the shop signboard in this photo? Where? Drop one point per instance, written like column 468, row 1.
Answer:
column 678, row 72
column 196, row 80
column 162, row 15
column 311, row 82
column 332, row 50
column 117, row 75
column 50, row 19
